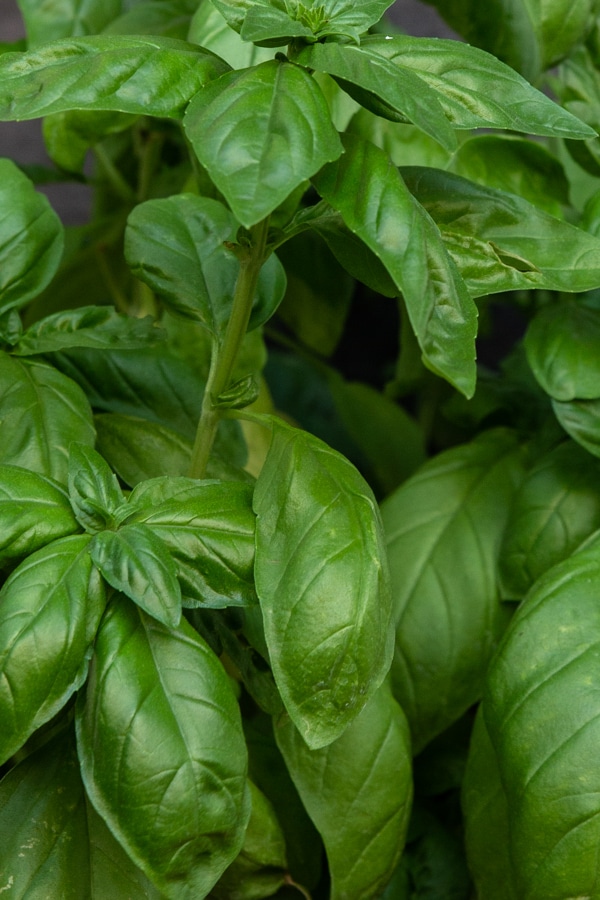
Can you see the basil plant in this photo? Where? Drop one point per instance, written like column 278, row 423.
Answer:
column 299, row 593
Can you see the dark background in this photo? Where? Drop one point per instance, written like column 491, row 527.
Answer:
column 22, row 142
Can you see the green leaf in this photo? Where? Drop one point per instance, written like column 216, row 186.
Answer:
column 135, row 561
column 145, row 76
column 137, row 449
column 209, row 533
column 260, row 133
column 375, row 204
column 556, row 508
column 476, row 90
column 66, row 18
column 542, row 712
column 69, row 135
column 89, row 326
column 448, row 614
column 177, row 246
column 93, row 489
column 42, row 413
column 50, row 607
column 31, row 238
column 209, row 29
column 165, row 17
column 357, row 786
column 162, row 751
column 581, row 421
column 500, row 242
column 562, row 345
column 34, row 511
column 391, row 91
column 322, row 581
column 487, row 830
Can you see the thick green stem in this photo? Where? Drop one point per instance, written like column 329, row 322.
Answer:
column 225, row 355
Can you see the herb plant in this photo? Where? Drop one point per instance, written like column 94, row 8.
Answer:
column 259, row 633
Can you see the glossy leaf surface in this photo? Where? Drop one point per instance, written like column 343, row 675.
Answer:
column 556, row 508
column 31, row 239
column 322, row 581
column 444, row 527
column 375, row 204
column 145, row 76
column 359, row 785
column 42, row 412
column 90, row 326
column 260, row 133
column 177, row 246
column 542, row 713
column 162, row 751
column 137, row 449
column 93, row 489
column 34, row 511
column 581, row 420
column 50, row 607
column 67, row 18
column 501, row 242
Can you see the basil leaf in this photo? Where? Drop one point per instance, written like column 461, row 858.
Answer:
column 89, row 326
column 404, row 94
column 209, row 534
column 31, row 238
column 375, row 204
column 209, row 29
column 68, row 136
column 34, row 511
column 50, row 607
column 448, row 614
column 165, row 17
column 556, row 509
column 177, row 246
column 145, row 76
column 272, row 117
column 135, row 561
column 500, row 242
column 162, row 751
column 137, row 449
column 69, row 18
column 361, row 782
column 93, row 489
column 581, row 421
column 542, row 712
column 42, row 413
column 322, row 582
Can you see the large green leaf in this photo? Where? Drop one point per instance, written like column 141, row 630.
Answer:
column 94, row 491
column 209, row 29
column 399, row 94
column 542, row 711
column 556, row 508
column 476, row 90
column 358, row 792
column 375, row 204
column 162, row 750
column 89, row 326
column 563, row 349
column 209, row 534
column 31, row 239
column 168, row 17
column 444, row 527
column 50, row 607
column 138, row 449
column 500, row 242
column 34, row 511
column 145, row 76
column 260, row 133
column 177, row 246
column 322, row 581
column 66, row 18
column 42, row 412
column 581, row 420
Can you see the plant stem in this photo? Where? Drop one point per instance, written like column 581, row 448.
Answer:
column 224, row 355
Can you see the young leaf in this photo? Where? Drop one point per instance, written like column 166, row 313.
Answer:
column 145, row 76
column 444, row 527
column 322, row 581
column 162, row 751
column 177, row 246
column 90, row 326
column 542, row 711
column 42, row 413
column 135, row 561
column 500, row 242
column 555, row 510
column 260, row 133
column 93, row 489
column 31, row 238
column 357, row 786
column 375, row 204
column 50, row 607
column 34, row 511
